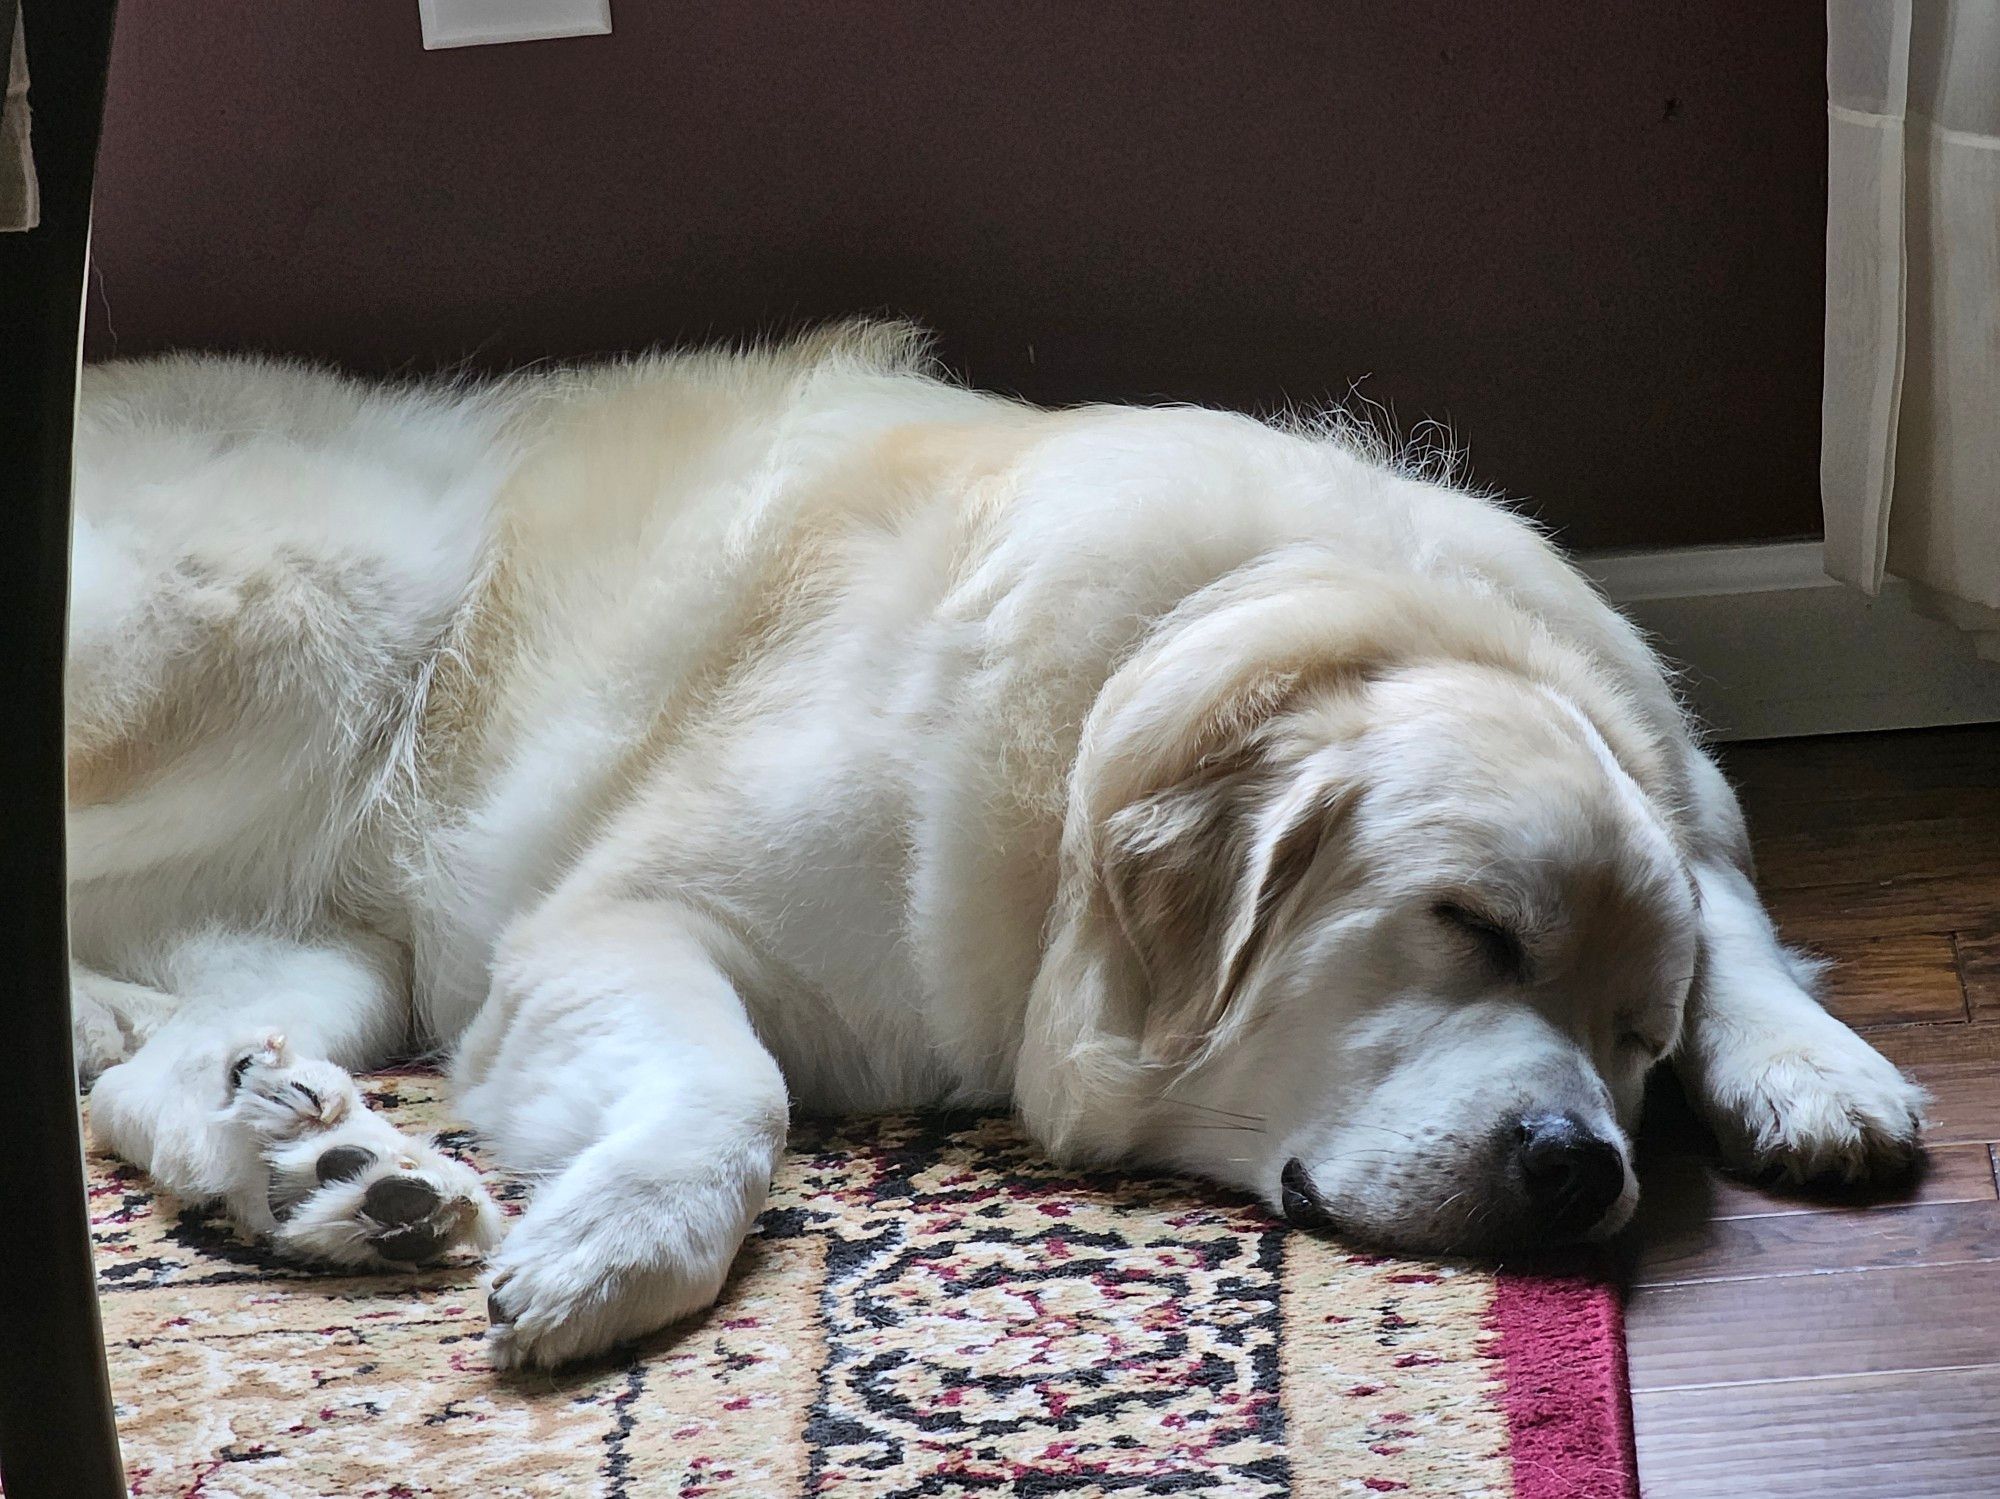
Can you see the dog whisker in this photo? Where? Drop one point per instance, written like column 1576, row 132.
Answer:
column 1385, row 1129
column 1189, row 1103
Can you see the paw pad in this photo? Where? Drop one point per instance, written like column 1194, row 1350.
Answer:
column 404, row 1206
column 342, row 1163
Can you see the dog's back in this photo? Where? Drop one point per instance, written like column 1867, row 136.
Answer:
column 261, row 554
column 395, row 652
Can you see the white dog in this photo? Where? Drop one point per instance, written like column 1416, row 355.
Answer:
column 684, row 739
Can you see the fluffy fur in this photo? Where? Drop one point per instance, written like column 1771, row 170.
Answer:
column 687, row 739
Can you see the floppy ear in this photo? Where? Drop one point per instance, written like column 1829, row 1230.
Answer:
column 1195, row 875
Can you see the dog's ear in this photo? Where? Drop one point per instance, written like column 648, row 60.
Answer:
column 1195, row 875
column 1183, row 829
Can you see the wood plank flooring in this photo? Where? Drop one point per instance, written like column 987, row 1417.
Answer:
column 1845, row 1343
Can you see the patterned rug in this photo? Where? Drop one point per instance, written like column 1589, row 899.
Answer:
column 928, row 1309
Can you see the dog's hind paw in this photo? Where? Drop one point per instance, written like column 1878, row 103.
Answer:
column 369, row 1210
column 96, row 1037
column 344, row 1186
column 109, row 1021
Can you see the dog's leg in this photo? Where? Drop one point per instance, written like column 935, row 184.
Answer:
column 1784, row 1085
column 241, row 1094
column 111, row 1019
column 615, row 1051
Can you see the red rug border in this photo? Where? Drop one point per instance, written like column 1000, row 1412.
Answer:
column 1565, row 1387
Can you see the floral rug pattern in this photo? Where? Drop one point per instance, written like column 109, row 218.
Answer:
column 928, row 1308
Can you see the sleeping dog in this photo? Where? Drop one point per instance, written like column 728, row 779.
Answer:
column 684, row 740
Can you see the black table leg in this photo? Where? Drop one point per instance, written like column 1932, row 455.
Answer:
column 57, row 1437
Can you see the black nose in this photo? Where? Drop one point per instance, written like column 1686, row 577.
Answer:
column 1301, row 1203
column 1572, row 1174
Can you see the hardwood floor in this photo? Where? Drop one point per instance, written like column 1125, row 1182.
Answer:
column 1845, row 1343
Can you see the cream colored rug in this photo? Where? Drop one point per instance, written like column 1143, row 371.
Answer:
column 928, row 1309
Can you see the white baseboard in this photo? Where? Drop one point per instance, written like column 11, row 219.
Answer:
column 1772, row 647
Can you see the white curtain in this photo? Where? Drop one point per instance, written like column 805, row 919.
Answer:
column 1910, row 444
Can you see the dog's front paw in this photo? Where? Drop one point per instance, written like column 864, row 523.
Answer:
column 1826, row 1107
column 554, row 1303
column 604, row 1257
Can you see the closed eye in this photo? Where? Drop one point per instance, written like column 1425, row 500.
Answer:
column 1634, row 1041
column 1500, row 947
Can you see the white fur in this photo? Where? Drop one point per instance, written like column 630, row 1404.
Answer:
column 687, row 738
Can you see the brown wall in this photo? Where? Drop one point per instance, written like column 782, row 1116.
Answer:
column 1587, row 236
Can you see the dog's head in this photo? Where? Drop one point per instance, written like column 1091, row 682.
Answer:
column 1375, row 905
